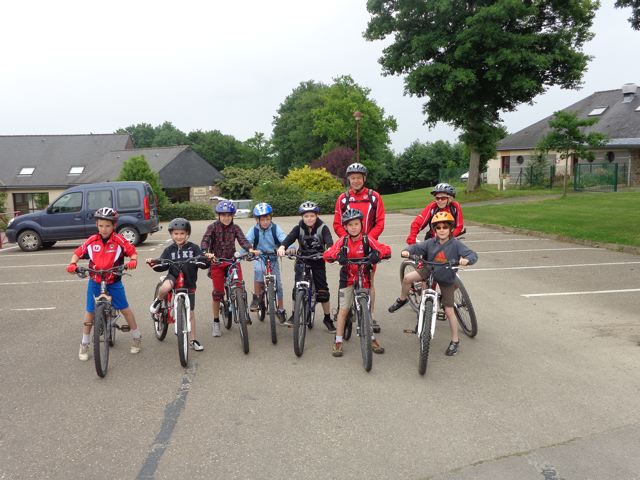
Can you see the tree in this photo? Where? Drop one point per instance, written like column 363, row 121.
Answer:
column 142, row 134
column 336, row 161
column 137, row 169
column 476, row 59
column 312, row 180
column 218, row 149
column 419, row 165
column 568, row 139
column 259, row 150
column 634, row 19
column 239, row 182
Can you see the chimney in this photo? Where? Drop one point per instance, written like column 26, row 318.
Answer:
column 628, row 92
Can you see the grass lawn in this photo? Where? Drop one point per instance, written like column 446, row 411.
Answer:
column 419, row 198
column 601, row 217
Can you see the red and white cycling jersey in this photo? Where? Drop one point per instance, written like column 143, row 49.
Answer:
column 105, row 254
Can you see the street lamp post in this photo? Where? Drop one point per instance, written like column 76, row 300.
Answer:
column 357, row 115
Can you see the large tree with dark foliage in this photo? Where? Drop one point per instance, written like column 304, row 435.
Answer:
column 634, row 19
column 474, row 59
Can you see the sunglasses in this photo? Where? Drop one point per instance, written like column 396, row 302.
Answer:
column 441, row 198
column 442, row 227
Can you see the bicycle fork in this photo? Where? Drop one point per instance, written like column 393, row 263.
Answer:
column 434, row 311
column 187, row 306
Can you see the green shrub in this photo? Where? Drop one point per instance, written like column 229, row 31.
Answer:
column 312, row 179
column 285, row 199
column 188, row 210
column 325, row 200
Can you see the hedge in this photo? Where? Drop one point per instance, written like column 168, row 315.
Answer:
column 188, row 210
column 285, row 199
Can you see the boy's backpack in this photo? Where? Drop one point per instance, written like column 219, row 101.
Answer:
column 256, row 236
column 317, row 243
column 373, row 200
column 366, row 249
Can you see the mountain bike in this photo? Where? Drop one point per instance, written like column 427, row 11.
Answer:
column 304, row 309
column 268, row 303
column 175, row 308
column 233, row 307
column 105, row 321
column 463, row 307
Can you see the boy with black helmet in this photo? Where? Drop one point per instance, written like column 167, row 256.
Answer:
column 313, row 237
column 443, row 201
column 181, row 248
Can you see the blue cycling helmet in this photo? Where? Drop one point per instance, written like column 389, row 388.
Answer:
column 225, row 206
column 308, row 206
column 262, row 209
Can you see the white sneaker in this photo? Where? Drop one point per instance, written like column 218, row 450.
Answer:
column 83, row 354
column 155, row 306
column 195, row 344
column 136, row 345
column 215, row 330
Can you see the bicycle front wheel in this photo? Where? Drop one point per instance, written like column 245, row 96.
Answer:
column 160, row 325
column 183, row 334
column 415, row 294
column 366, row 332
column 271, row 308
column 225, row 313
column 463, row 309
column 424, row 337
column 348, row 326
column 101, row 339
column 241, row 312
column 300, row 322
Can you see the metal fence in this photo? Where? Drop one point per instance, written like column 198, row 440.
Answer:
column 534, row 176
column 452, row 175
column 598, row 177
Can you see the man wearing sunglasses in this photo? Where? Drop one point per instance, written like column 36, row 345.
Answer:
column 443, row 202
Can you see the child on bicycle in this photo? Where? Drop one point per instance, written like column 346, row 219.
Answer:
column 106, row 249
column 181, row 248
column 443, row 249
column 266, row 237
column 313, row 237
column 443, row 201
column 354, row 245
column 219, row 242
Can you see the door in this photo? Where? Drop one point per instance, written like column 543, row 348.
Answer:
column 63, row 219
column 96, row 199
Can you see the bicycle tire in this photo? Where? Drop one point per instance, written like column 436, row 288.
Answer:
column 312, row 309
column 424, row 337
column 464, row 311
column 415, row 294
column 160, row 324
column 366, row 332
column 262, row 309
column 299, row 322
column 225, row 312
column 112, row 333
column 348, row 326
column 183, row 334
column 271, row 309
column 100, row 339
column 241, row 312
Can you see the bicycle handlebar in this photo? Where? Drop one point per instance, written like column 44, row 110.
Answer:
column 297, row 256
column 453, row 264
column 181, row 261
column 83, row 271
column 236, row 258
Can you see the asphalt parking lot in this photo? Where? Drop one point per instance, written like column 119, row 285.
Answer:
column 547, row 390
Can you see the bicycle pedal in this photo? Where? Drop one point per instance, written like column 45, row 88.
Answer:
column 123, row 328
column 409, row 331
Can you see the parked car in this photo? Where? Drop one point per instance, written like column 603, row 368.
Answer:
column 70, row 216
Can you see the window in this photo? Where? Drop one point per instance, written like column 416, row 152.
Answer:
column 30, row 202
column 98, row 199
column 506, row 161
column 128, row 198
column 597, row 111
column 69, row 203
column 76, row 170
column 611, row 157
column 27, row 171
column 520, row 159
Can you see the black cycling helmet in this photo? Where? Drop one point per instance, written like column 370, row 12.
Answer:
column 180, row 224
column 308, row 206
column 357, row 168
column 444, row 188
column 351, row 214
column 106, row 213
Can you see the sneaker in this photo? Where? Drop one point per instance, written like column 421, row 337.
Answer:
column 329, row 324
column 155, row 306
column 398, row 304
column 282, row 316
column 441, row 315
column 452, row 349
column 376, row 326
column 289, row 321
column 376, row 347
column 83, row 354
column 195, row 344
column 136, row 345
column 336, row 350
column 215, row 330
column 255, row 303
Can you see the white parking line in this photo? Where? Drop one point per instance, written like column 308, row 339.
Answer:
column 539, row 250
column 35, row 283
column 67, row 253
column 558, row 294
column 31, row 309
column 32, row 266
column 475, row 241
column 536, row 267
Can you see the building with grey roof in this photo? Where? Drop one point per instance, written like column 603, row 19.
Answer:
column 618, row 113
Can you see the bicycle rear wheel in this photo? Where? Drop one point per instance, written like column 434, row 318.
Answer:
column 101, row 339
column 300, row 322
column 271, row 308
column 183, row 334
column 464, row 311
column 160, row 325
column 348, row 326
column 415, row 294
column 424, row 337
column 241, row 312
column 366, row 332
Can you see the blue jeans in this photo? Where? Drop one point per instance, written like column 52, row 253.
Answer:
column 259, row 268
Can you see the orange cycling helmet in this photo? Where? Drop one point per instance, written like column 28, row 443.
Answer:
column 443, row 216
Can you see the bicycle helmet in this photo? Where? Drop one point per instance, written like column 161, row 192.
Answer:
column 180, row 224
column 308, row 206
column 262, row 209
column 225, row 206
column 351, row 214
column 444, row 188
column 356, row 168
column 106, row 213
column 443, row 216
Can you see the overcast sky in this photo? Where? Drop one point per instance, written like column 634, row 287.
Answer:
column 73, row 67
